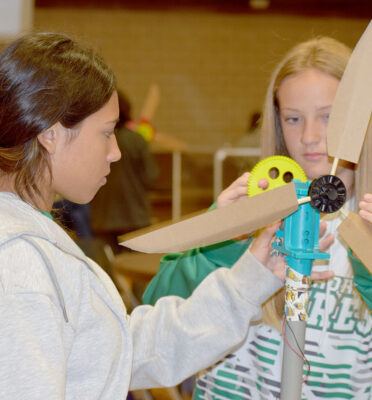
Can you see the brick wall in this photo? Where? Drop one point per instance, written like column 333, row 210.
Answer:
column 212, row 68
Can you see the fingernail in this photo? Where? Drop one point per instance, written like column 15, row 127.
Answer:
column 363, row 213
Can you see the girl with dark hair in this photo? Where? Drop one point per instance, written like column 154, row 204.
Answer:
column 64, row 331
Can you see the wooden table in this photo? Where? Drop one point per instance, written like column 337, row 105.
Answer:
column 177, row 150
column 137, row 266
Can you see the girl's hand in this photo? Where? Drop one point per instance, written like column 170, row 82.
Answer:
column 324, row 244
column 234, row 192
column 262, row 250
column 237, row 190
column 366, row 208
column 326, row 241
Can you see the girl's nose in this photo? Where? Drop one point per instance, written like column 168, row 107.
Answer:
column 311, row 133
column 114, row 153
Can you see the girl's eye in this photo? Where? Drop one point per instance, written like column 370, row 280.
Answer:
column 108, row 134
column 292, row 120
column 325, row 117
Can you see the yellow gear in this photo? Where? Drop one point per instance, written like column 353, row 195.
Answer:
column 277, row 170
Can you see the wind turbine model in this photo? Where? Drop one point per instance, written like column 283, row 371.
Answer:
column 348, row 124
column 144, row 126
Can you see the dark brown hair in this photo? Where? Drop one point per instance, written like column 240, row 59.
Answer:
column 45, row 78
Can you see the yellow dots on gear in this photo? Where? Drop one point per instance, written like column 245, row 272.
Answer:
column 277, row 170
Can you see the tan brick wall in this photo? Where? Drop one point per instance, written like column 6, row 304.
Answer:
column 212, row 68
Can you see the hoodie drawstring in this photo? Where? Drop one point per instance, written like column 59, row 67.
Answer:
column 52, row 275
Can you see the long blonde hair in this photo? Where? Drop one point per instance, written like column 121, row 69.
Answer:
column 327, row 55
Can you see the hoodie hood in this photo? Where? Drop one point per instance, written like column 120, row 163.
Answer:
column 22, row 219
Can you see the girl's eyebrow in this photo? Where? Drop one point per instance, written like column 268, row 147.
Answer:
column 289, row 109
column 115, row 121
column 323, row 108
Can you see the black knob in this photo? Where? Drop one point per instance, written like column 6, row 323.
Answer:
column 327, row 193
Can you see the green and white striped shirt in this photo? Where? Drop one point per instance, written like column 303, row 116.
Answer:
column 340, row 354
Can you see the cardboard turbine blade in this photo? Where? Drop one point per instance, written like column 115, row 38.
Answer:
column 357, row 233
column 151, row 103
column 163, row 141
column 242, row 217
column 352, row 107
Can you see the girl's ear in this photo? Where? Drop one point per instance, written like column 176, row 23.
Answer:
column 48, row 139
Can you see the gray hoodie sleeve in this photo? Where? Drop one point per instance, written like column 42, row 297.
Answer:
column 44, row 357
column 201, row 330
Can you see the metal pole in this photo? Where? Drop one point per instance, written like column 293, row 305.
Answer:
column 292, row 370
column 176, row 184
column 299, row 242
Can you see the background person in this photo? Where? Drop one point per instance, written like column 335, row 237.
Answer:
column 123, row 205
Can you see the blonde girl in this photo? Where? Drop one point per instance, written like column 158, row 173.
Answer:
column 339, row 330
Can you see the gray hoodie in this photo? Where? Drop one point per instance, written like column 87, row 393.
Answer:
column 64, row 331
